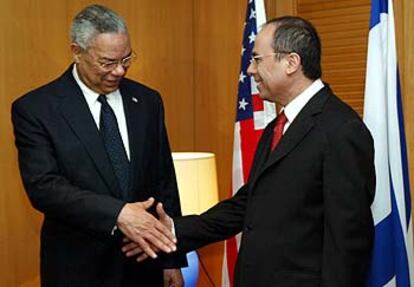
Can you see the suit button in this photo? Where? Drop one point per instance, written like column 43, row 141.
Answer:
column 248, row 228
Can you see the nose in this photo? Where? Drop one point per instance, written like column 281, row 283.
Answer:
column 251, row 70
column 119, row 71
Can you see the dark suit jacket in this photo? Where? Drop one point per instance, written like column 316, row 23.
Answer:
column 305, row 211
column 68, row 176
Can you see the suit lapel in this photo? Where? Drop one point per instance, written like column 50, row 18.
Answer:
column 262, row 151
column 293, row 136
column 75, row 110
column 296, row 132
column 134, row 114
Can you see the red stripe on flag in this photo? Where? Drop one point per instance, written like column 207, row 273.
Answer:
column 257, row 103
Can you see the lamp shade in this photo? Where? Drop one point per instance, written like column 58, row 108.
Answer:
column 197, row 181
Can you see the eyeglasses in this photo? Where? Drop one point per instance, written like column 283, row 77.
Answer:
column 256, row 60
column 109, row 66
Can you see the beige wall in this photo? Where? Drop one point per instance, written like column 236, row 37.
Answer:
column 187, row 49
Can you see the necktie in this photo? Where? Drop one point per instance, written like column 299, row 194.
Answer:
column 113, row 144
column 281, row 120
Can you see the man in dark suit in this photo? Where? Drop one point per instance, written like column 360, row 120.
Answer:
column 305, row 210
column 94, row 156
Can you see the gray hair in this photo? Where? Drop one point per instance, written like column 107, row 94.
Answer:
column 94, row 20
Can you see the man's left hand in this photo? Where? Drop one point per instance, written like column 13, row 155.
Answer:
column 173, row 278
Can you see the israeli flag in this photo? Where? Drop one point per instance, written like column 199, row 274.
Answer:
column 392, row 261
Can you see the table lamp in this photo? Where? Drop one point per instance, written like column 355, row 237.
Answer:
column 197, row 186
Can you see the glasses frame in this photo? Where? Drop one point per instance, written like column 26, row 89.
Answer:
column 257, row 59
column 109, row 66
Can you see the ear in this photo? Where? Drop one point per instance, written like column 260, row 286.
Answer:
column 294, row 63
column 76, row 52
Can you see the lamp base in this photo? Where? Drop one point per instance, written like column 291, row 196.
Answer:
column 191, row 272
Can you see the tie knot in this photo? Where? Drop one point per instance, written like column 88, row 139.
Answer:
column 281, row 119
column 104, row 102
column 102, row 99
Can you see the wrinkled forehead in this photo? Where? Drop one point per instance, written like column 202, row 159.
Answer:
column 264, row 39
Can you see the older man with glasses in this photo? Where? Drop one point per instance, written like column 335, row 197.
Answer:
column 94, row 157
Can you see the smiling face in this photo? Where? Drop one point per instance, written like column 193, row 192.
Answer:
column 105, row 47
column 269, row 69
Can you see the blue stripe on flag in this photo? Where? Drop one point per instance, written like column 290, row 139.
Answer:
column 390, row 254
column 404, row 161
column 377, row 7
column 245, row 89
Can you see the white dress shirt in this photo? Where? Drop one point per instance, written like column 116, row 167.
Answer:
column 296, row 105
column 114, row 100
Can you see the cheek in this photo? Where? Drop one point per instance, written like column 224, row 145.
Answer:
column 92, row 73
column 100, row 77
column 264, row 74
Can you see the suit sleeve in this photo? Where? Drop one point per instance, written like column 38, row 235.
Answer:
column 349, row 187
column 48, row 190
column 223, row 220
column 168, row 191
column 220, row 222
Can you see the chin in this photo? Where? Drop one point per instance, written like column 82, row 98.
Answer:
column 265, row 97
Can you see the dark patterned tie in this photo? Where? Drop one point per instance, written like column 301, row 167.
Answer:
column 281, row 120
column 113, row 144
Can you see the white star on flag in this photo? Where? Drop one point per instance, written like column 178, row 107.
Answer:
column 252, row 37
column 241, row 77
column 243, row 104
column 242, row 50
column 252, row 14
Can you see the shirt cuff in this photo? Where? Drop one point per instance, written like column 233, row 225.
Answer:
column 172, row 226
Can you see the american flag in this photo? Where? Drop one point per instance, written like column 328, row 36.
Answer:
column 253, row 115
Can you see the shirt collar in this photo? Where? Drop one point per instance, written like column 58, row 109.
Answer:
column 296, row 105
column 90, row 95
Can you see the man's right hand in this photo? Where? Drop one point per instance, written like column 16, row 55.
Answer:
column 133, row 249
column 144, row 229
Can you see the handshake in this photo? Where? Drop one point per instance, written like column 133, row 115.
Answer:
column 145, row 235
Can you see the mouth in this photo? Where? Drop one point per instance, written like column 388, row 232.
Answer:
column 112, row 83
column 258, row 80
column 258, row 84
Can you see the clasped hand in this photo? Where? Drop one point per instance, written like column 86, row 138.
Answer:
column 144, row 234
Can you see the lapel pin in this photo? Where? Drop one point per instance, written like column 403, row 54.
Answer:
column 135, row 100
